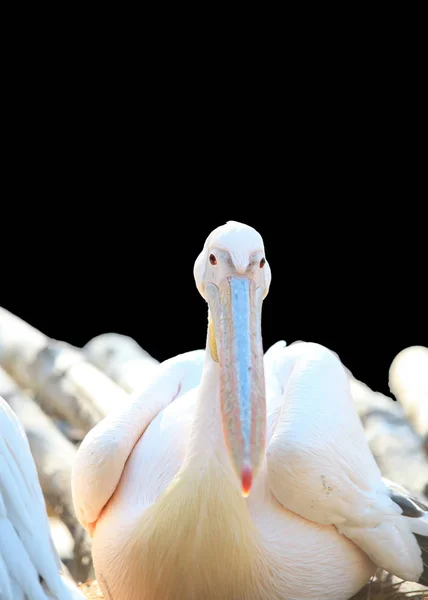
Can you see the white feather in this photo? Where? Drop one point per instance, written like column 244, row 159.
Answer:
column 321, row 467
column 29, row 565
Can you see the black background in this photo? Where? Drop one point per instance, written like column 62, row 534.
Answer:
column 109, row 204
column 343, row 274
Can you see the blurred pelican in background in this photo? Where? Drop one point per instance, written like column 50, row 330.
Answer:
column 408, row 381
column 256, row 484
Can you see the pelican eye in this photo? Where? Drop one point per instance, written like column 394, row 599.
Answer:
column 213, row 259
column 262, row 263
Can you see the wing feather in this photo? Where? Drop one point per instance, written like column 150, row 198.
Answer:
column 28, row 561
column 103, row 453
column 320, row 465
column 5, row 583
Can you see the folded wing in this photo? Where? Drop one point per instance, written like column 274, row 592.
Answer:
column 321, row 467
column 103, row 453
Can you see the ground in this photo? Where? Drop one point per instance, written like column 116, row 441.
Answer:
column 91, row 590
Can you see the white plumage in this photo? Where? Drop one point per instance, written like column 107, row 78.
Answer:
column 321, row 467
column 157, row 482
column 29, row 564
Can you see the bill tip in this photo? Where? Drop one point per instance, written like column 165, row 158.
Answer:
column 246, row 480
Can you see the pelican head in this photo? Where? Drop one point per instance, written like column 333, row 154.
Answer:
column 233, row 276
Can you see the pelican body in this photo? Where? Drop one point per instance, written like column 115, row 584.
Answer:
column 255, row 484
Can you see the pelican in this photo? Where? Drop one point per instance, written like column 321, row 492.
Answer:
column 408, row 381
column 256, row 484
column 29, row 564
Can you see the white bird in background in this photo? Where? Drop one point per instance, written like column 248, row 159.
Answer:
column 408, row 381
column 163, row 484
column 29, row 564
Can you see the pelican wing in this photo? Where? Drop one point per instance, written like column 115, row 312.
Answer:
column 106, row 448
column 320, row 465
column 29, row 565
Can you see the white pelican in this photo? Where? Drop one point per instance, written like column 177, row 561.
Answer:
column 408, row 381
column 29, row 564
column 163, row 484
